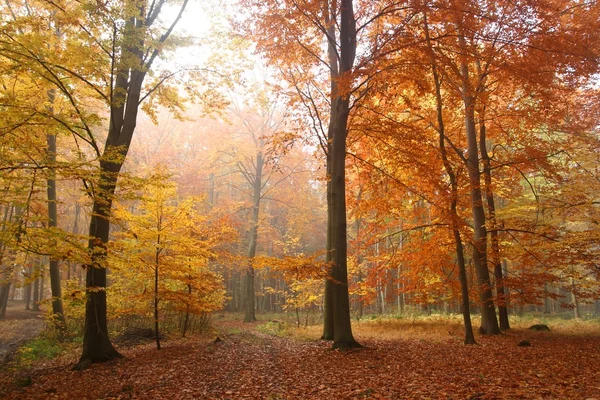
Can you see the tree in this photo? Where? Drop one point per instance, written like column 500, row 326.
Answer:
column 454, row 217
column 260, row 127
column 167, row 247
column 132, row 59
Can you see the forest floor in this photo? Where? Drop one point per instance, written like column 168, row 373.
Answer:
column 264, row 360
column 18, row 326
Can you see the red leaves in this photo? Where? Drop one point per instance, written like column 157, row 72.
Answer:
column 258, row 366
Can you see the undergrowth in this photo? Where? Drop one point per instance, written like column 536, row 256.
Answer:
column 36, row 349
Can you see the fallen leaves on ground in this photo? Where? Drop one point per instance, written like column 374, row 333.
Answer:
column 19, row 326
column 254, row 365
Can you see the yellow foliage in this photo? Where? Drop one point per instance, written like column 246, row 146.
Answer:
column 169, row 238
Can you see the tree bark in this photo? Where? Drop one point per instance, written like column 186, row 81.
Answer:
column 96, row 342
column 458, row 243
column 328, row 325
column 489, row 321
column 340, row 110
column 250, row 315
column 575, row 301
column 459, row 250
column 133, row 61
column 28, row 288
column 7, row 272
column 495, row 243
column 156, row 276
column 547, row 308
column 57, row 305
column 35, row 306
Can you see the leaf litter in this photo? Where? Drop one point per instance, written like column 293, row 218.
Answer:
column 255, row 365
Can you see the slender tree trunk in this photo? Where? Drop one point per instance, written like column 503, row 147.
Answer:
column 186, row 322
column 42, row 280
column 495, row 243
column 36, row 293
column 250, row 315
column 28, row 288
column 57, row 305
column 546, row 300
column 575, row 301
column 458, row 243
column 460, row 255
column 7, row 270
column 489, row 321
column 156, row 276
column 211, row 190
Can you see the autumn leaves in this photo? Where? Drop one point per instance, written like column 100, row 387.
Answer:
column 474, row 110
column 456, row 139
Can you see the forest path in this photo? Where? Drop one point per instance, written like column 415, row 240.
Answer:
column 17, row 327
column 250, row 364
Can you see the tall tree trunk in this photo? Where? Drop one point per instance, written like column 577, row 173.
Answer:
column 547, row 309
column 156, row 276
column 4, row 291
column 489, row 321
column 7, row 270
column 42, row 280
column 35, row 306
column 458, row 243
column 459, row 250
column 328, row 325
column 495, row 243
column 211, row 190
column 250, row 315
column 575, row 301
column 72, row 267
column 96, row 342
column 132, row 62
column 26, row 277
column 186, row 321
column 340, row 110
column 57, row 305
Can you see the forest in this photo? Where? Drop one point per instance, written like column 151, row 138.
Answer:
column 284, row 199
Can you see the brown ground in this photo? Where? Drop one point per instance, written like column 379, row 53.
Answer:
column 254, row 365
column 18, row 326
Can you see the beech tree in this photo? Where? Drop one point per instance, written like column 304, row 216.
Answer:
column 133, row 55
column 167, row 248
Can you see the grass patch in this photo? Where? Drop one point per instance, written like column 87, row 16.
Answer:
column 39, row 348
column 274, row 328
column 439, row 327
column 558, row 323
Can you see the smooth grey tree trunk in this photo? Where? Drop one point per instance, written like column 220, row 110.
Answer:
column 28, row 288
column 57, row 305
column 459, row 250
column 7, row 270
column 495, row 242
column 156, row 280
column 250, row 314
column 35, row 306
column 547, row 308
